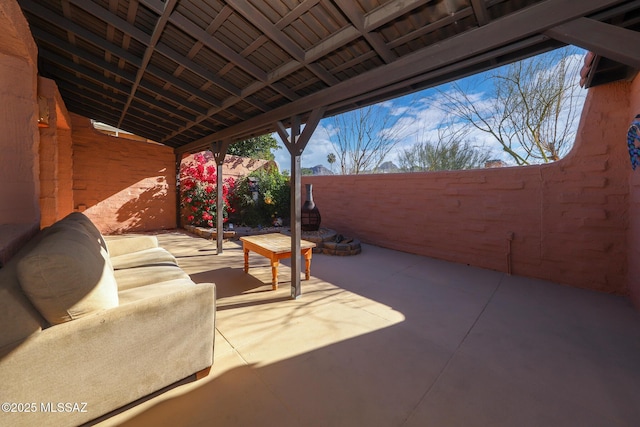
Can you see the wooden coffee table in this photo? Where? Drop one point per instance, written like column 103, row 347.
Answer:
column 275, row 246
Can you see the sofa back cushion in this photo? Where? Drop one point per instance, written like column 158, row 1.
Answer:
column 68, row 274
column 80, row 219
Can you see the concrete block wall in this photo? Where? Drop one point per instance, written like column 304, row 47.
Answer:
column 19, row 138
column 565, row 222
column 65, row 170
column 120, row 184
column 585, row 198
column 633, row 236
column 56, row 167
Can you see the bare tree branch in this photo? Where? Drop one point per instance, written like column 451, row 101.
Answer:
column 533, row 110
column 363, row 138
column 451, row 151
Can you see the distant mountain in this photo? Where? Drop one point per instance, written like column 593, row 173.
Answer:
column 320, row 170
column 388, row 167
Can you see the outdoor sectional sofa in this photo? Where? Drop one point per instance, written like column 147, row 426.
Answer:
column 89, row 325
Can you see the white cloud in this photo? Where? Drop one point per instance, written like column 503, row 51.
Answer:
column 315, row 153
column 420, row 117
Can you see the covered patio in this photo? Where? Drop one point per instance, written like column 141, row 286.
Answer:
column 392, row 339
column 506, row 301
column 203, row 75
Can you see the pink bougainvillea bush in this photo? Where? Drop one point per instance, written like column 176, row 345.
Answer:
column 198, row 192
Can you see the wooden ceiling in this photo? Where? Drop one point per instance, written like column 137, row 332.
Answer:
column 187, row 73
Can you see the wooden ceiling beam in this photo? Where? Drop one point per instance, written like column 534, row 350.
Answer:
column 257, row 19
column 480, row 11
column 148, row 53
column 609, row 41
column 113, row 69
column 390, row 11
column 375, row 40
column 123, row 54
column 208, row 40
column 217, row 46
column 112, row 19
column 80, row 69
column 71, row 27
column 108, row 66
column 378, row 17
column 454, row 71
column 197, row 69
column 273, row 33
column 211, row 77
column 296, row 13
column 509, row 29
column 181, row 84
column 340, row 38
column 434, row 26
column 68, row 25
column 161, row 109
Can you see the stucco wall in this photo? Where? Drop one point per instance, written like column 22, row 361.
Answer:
column 122, row 185
column 568, row 219
column 56, row 167
column 19, row 138
column 633, row 237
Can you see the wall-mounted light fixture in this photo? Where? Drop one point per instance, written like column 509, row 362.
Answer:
column 43, row 112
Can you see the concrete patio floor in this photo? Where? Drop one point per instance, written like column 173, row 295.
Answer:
column 386, row 338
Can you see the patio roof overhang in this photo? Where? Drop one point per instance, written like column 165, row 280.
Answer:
column 187, row 73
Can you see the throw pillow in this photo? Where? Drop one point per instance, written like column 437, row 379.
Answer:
column 66, row 275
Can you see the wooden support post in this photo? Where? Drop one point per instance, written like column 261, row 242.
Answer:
column 219, row 150
column 178, row 185
column 296, row 143
column 296, row 212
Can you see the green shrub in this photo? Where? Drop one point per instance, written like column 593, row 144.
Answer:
column 273, row 199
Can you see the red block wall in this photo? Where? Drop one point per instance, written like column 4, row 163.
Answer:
column 569, row 219
column 19, row 137
column 121, row 184
column 633, row 236
column 56, row 167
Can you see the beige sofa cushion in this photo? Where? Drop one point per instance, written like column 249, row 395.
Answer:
column 147, row 257
column 67, row 275
column 126, row 244
column 154, row 290
column 75, row 219
column 18, row 316
column 142, row 276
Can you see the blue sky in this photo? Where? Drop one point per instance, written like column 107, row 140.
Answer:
column 421, row 109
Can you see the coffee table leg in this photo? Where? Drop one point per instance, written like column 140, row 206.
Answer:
column 307, row 264
column 274, row 274
column 246, row 260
